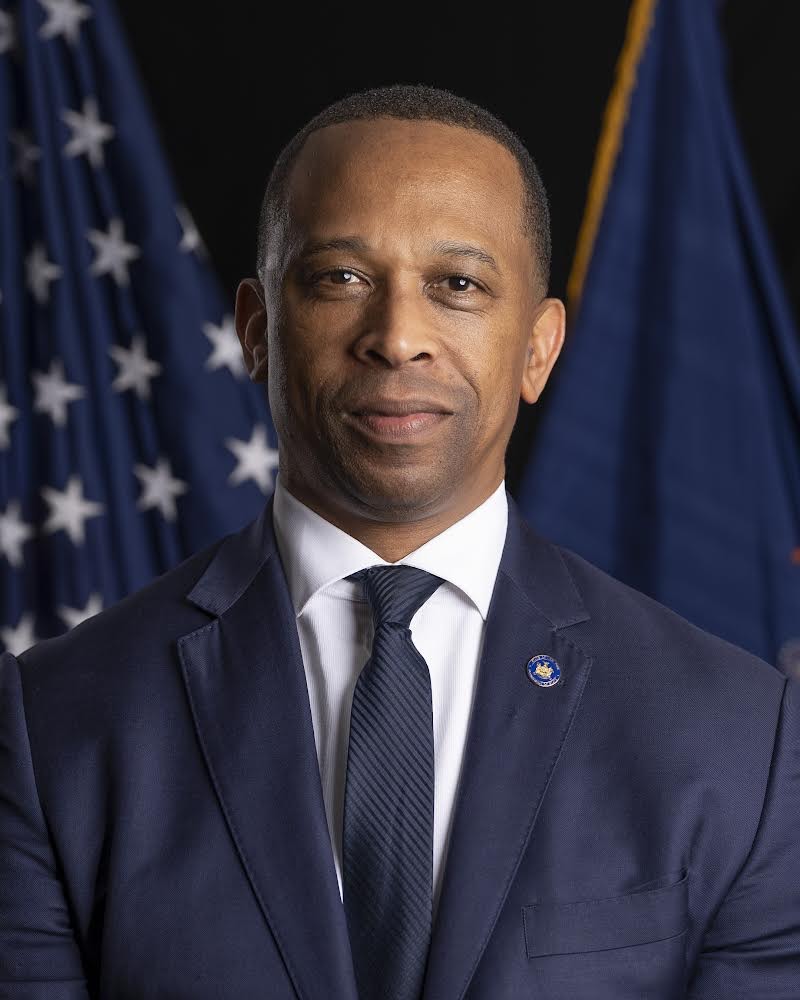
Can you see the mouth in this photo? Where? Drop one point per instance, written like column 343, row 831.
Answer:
column 398, row 419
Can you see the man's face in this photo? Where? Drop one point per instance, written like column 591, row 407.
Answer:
column 401, row 319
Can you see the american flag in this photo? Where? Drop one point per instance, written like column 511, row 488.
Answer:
column 130, row 435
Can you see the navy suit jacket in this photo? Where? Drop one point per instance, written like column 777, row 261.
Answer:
column 629, row 833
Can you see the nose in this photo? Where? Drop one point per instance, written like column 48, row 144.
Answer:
column 396, row 330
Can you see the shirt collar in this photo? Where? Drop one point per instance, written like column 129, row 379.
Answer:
column 316, row 554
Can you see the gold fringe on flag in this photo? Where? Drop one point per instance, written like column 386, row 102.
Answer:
column 640, row 21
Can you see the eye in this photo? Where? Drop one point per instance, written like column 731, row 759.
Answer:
column 459, row 283
column 340, row 276
column 336, row 283
column 459, row 291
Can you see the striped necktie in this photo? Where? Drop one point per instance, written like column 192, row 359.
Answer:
column 387, row 840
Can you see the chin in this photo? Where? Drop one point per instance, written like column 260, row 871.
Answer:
column 397, row 493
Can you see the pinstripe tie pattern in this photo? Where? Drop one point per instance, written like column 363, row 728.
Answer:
column 388, row 807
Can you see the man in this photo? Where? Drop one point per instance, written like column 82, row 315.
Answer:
column 294, row 768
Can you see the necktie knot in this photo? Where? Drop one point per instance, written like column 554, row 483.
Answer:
column 396, row 593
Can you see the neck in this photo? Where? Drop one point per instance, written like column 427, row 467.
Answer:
column 391, row 540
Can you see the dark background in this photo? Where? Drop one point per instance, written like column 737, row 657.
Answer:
column 229, row 83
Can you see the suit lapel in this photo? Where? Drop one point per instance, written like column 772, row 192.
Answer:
column 246, row 684
column 516, row 734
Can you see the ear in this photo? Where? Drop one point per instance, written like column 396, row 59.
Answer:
column 544, row 346
column 251, row 327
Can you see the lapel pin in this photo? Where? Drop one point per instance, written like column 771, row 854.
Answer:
column 543, row 670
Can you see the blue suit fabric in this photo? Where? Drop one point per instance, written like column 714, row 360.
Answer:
column 631, row 832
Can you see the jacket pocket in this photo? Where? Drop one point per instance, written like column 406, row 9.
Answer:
column 553, row 928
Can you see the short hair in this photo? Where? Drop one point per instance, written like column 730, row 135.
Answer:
column 412, row 102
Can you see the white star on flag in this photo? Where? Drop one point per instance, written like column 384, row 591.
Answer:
column 227, row 351
column 74, row 616
column 135, row 368
column 17, row 640
column 27, row 154
column 69, row 509
column 191, row 240
column 255, row 459
column 112, row 252
column 14, row 532
column 159, row 488
column 63, row 18
column 8, row 32
column 88, row 133
column 53, row 392
column 40, row 274
column 8, row 414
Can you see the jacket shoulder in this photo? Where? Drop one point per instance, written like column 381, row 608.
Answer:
column 135, row 631
column 625, row 623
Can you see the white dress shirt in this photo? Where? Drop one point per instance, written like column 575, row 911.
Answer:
column 334, row 623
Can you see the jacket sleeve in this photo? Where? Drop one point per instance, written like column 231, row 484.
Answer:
column 752, row 948
column 39, row 957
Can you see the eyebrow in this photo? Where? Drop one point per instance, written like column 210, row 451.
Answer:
column 448, row 248
column 444, row 248
column 353, row 244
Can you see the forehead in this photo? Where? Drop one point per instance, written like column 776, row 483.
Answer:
column 418, row 175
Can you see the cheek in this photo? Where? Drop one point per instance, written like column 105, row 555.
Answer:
column 290, row 360
column 494, row 368
column 304, row 371
column 313, row 333
column 501, row 398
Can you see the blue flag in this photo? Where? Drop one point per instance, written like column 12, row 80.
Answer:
column 130, row 435
column 669, row 450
